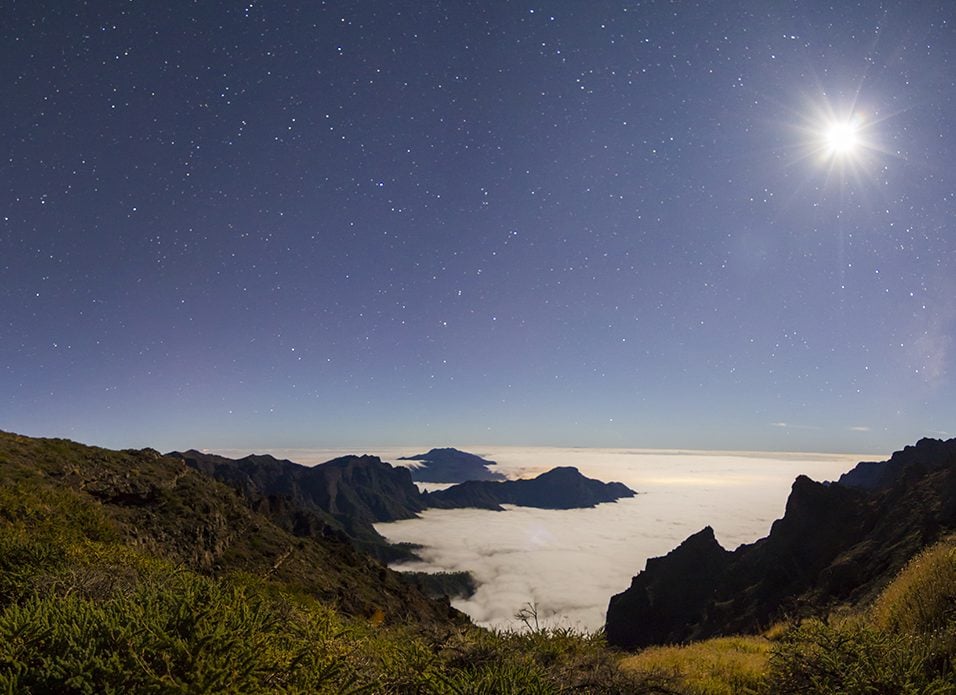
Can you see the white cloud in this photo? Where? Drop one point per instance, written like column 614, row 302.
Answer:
column 570, row 562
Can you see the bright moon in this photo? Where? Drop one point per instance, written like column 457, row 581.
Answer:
column 842, row 137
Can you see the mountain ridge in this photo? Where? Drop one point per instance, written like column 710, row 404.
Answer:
column 349, row 493
column 836, row 544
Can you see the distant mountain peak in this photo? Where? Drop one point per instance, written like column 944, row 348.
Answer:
column 563, row 487
column 450, row 465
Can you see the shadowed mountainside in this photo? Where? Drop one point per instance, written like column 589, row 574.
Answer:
column 838, row 543
column 450, row 465
column 930, row 454
column 353, row 492
column 560, row 488
column 350, row 494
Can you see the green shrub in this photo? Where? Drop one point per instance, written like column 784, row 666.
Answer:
column 178, row 632
column 500, row 678
column 852, row 658
column 23, row 557
column 54, row 512
column 105, row 618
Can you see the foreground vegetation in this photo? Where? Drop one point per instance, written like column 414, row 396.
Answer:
column 85, row 610
column 92, row 616
column 124, row 623
column 88, row 605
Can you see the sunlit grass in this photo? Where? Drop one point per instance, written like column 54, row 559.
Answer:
column 922, row 599
column 904, row 643
column 720, row 666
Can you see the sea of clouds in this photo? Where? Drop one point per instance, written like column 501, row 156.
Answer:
column 569, row 563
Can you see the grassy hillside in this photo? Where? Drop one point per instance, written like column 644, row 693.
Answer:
column 128, row 572
column 165, row 509
column 94, row 617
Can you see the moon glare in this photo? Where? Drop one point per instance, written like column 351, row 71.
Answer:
column 842, row 138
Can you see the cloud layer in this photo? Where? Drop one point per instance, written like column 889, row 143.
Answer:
column 569, row 563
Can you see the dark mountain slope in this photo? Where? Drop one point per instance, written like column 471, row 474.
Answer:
column 165, row 508
column 835, row 545
column 559, row 488
column 451, row 466
column 349, row 493
column 928, row 453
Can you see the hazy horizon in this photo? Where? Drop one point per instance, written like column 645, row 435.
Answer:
column 530, row 455
column 782, row 443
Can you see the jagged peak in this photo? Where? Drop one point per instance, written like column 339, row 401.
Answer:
column 705, row 538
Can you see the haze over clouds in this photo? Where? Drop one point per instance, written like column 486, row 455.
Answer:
column 569, row 563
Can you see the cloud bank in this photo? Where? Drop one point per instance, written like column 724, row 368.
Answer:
column 569, row 563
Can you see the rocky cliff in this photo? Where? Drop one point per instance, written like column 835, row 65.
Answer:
column 837, row 543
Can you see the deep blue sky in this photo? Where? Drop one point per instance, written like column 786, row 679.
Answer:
column 273, row 224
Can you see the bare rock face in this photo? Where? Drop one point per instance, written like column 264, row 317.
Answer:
column 836, row 544
column 671, row 592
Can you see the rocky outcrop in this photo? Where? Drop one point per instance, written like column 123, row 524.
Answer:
column 451, row 466
column 559, row 488
column 672, row 591
column 836, row 544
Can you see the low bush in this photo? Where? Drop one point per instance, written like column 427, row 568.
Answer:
column 94, row 617
column 852, row 658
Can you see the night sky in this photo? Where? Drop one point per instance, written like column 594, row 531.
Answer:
column 644, row 224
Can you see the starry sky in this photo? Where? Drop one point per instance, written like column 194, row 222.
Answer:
column 282, row 224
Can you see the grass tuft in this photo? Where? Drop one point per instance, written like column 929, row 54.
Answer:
column 719, row 666
column 922, row 599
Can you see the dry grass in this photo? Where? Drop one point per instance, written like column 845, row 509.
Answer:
column 922, row 599
column 720, row 666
